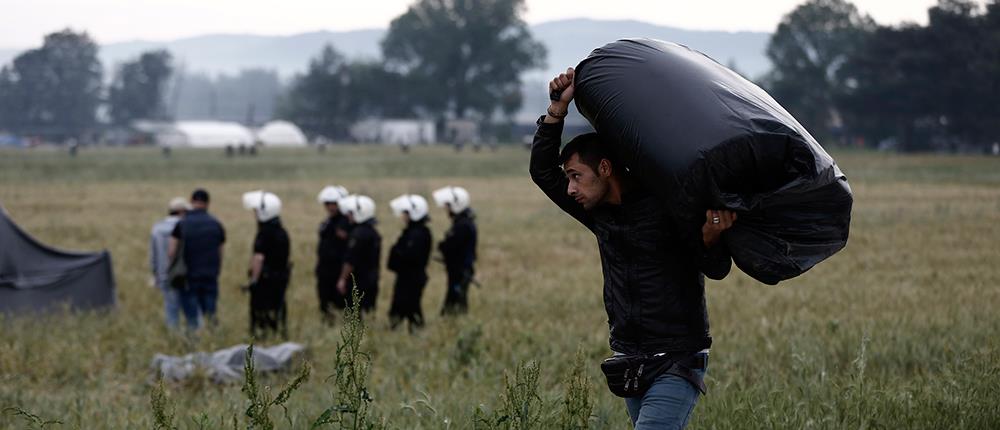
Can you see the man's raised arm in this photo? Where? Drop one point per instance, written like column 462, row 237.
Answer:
column 544, row 166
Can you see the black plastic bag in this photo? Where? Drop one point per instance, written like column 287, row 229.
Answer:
column 703, row 137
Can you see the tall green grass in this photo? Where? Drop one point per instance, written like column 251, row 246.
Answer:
column 899, row 330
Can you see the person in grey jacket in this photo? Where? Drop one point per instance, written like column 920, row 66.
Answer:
column 159, row 261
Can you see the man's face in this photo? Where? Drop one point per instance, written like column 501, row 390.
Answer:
column 332, row 209
column 588, row 187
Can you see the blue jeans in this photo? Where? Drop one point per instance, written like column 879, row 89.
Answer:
column 667, row 405
column 171, row 305
column 199, row 300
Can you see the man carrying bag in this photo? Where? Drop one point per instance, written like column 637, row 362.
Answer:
column 654, row 290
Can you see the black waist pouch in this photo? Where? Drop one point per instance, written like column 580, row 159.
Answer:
column 632, row 375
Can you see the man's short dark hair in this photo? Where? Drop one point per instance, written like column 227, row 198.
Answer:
column 199, row 195
column 590, row 149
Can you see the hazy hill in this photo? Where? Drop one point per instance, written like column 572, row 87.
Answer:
column 568, row 42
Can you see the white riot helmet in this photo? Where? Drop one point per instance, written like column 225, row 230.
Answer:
column 267, row 205
column 331, row 194
column 361, row 208
column 413, row 204
column 456, row 198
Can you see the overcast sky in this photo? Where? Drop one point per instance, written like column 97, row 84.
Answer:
column 23, row 23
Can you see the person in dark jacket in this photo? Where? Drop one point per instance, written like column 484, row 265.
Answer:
column 408, row 258
column 458, row 248
column 333, row 235
column 269, row 268
column 364, row 250
column 201, row 238
column 654, row 290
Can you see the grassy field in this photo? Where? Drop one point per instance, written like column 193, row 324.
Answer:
column 899, row 330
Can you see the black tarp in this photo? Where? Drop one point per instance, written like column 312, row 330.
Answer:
column 38, row 278
column 702, row 137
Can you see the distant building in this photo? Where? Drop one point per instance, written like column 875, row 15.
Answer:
column 214, row 134
column 402, row 132
column 461, row 131
column 210, row 134
column 196, row 134
column 281, row 133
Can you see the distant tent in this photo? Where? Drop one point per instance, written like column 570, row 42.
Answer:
column 208, row 134
column 281, row 133
column 394, row 131
column 37, row 278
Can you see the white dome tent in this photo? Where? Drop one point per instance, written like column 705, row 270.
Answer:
column 210, row 134
column 281, row 133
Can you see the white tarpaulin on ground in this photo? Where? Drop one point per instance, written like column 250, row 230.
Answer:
column 226, row 365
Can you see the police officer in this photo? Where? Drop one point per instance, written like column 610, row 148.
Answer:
column 269, row 268
column 330, row 251
column 458, row 248
column 408, row 258
column 364, row 249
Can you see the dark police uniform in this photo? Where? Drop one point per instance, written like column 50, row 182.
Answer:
column 408, row 258
column 268, row 312
column 459, row 251
column 330, row 259
column 364, row 249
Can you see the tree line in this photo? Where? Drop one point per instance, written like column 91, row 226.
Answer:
column 912, row 87
column 57, row 91
column 846, row 78
column 442, row 59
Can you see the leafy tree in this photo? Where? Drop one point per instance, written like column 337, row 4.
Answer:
column 9, row 101
column 807, row 50
column 54, row 90
column 931, row 86
column 464, row 57
column 249, row 97
column 887, row 89
column 137, row 91
column 376, row 91
column 317, row 100
column 334, row 93
column 989, row 66
column 958, row 70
